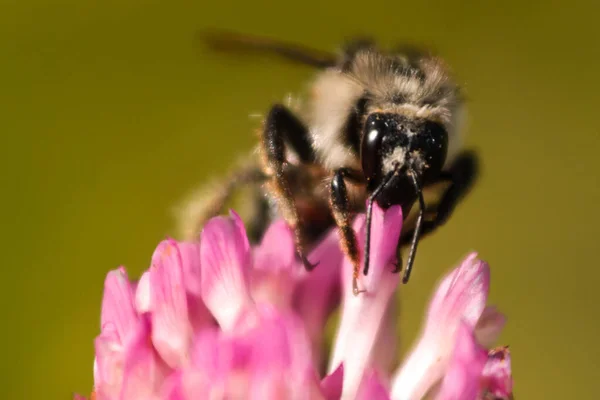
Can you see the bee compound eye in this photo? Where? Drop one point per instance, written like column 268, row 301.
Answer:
column 371, row 146
column 433, row 143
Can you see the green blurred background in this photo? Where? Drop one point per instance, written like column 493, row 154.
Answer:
column 110, row 113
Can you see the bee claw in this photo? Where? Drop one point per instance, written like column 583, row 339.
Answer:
column 355, row 290
column 397, row 266
column 307, row 264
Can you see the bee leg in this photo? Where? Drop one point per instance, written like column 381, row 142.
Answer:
column 210, row 200
column 281, row 126
column 417, row 233
column 398, row 265
column 261, row 216
column 340, row 206
column 462, row 175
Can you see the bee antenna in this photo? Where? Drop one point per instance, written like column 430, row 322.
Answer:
column 417, row 232
column 370, row 201
column 231, row 41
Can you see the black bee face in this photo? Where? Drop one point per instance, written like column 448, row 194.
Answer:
column 394, row 144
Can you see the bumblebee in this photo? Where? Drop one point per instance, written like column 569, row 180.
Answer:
column 379, row 127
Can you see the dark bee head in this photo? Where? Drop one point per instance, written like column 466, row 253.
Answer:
column 393, row 143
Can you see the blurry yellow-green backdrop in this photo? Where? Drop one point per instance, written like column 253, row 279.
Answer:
column 110, row 112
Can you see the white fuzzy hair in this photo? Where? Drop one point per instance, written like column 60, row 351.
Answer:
column 427, row 91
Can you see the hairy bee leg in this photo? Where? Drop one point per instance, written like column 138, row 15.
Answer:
column 210, row 202
column 417, row 233
column 290, row 131
column 462, row 173
column 370, row 200
column 261, row 216
column 340, row 206
column 281, row 126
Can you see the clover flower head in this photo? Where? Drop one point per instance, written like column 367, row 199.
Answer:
column 221, row 318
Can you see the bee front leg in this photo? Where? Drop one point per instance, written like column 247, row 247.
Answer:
column 340, row 206
column 282, row 127
column 462, row 175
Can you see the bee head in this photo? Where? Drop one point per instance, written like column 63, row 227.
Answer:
column 396, row 143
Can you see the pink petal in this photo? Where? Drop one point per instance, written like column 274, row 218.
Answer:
column 268, row 355
column 205, row 352
column 144, row 372
column 118, row 313
column 318, row 294
column 190, row 260
column 331, row 385
column 118, row 327
column 489, row 326
column 277, row 250
column 109, row 364
column 142, row 294
column 362, row 315
column 461, row 295
column 460, row 298
column 199, row 316
column 275, row 270
column 171, row 329
column 287, row 346
column 371, row 388
column 187, row 384
column 497, row 373
column 225, row 257
column 202, row 375
column 420, row 371
column 282, row 368
column 385, row 231
column 385, row 352
column 175, row 388
column 275, row 385
column 462, row 380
